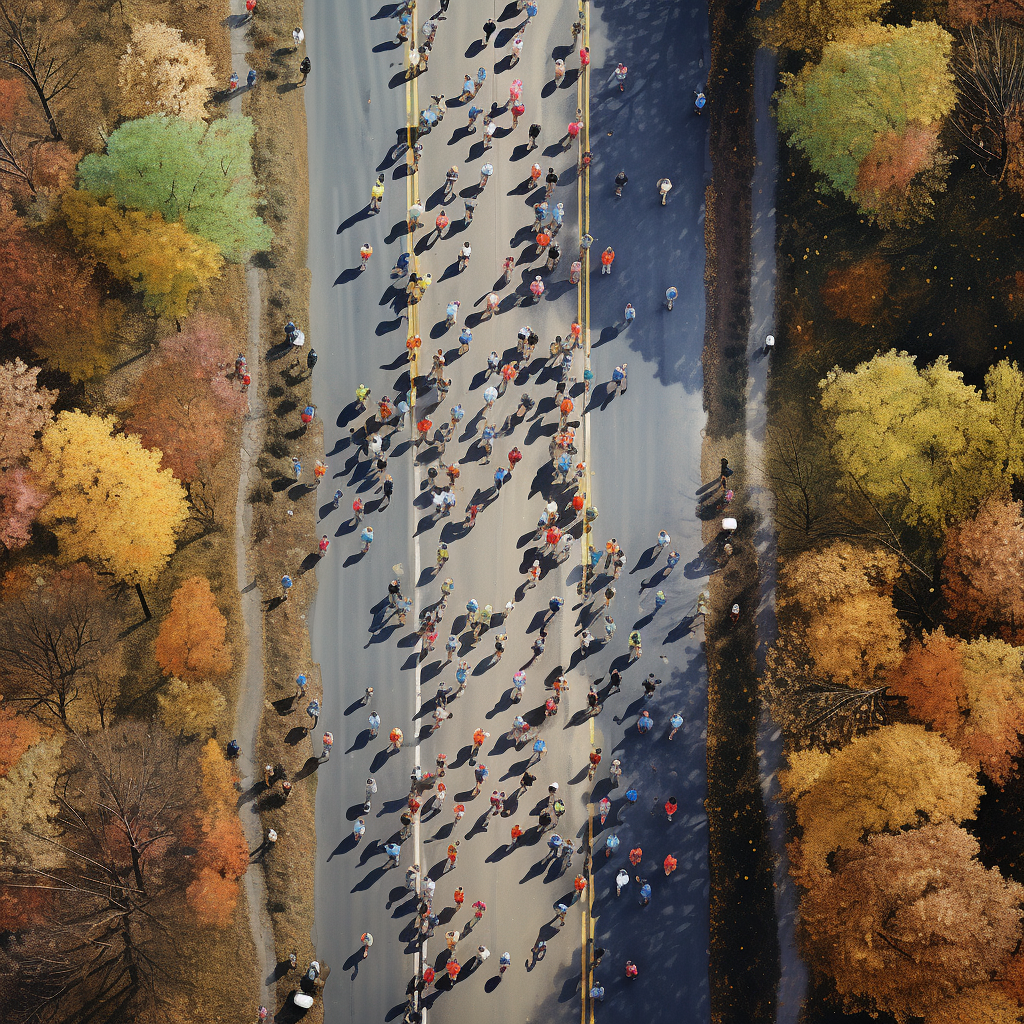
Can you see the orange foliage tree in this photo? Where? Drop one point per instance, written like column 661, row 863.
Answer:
column 983, row 571
column 184, row 399
column 192, row 640
column 223, row 855
column 17, row 734
column 971, row 692
column 909, row 920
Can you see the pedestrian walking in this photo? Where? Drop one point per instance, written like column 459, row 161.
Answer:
column 304, row 69
column 328, row 743
column 489, row 28
column 298, row 36
column 607, row 258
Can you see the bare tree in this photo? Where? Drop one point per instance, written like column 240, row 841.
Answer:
column 52, row 636
column 107, row 947
column 989, row 68
column 49, row 64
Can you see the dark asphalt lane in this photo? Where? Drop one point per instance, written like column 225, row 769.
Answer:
column 356, row 104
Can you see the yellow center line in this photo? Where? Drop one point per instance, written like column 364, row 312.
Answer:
column 583, row 316
column 412, row 106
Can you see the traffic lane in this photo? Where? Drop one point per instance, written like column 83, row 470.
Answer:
column 354, row 893
column 491, row 558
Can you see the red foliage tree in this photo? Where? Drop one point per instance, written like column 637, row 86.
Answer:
column 184, row 401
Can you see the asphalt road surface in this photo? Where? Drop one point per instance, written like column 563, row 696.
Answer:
column 643, row 449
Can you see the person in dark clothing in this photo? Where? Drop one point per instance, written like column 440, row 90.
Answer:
column 489, row 28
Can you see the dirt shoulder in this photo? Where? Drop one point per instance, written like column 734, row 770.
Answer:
column 744, row 953
column 282, row 522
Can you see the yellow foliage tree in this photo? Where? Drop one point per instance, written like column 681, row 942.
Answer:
column 919, row 442
column 190, row 710
column 856, row 642
column 28, row 807
column 111, row 501
column 192, row 640
column 836, row 572
column 161, row 260
column 897, row 776
column 162, row 73
column 809, row 24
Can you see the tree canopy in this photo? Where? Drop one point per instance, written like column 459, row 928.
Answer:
column 184, row 402
column 163, row 73
column 867, row 116
column 161, row 260
column 983, row 571
column 192, row 640
column 920, row 443
column 25, row 408
column 908, row 921
column 187, row 171
column 896, row 776
column 971, row 692
column 110, row 500
column 809, row 24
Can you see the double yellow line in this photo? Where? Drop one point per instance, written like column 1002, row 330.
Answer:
column 412, row 120
column 583, row 315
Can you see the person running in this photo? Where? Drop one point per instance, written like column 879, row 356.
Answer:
column 485, row 173
column 559, row 70
column 365, row 252
column 676, row 721
column 489, row 28
column 377, row 194
column 367, row 941
column 374, row 721
column 607, row 258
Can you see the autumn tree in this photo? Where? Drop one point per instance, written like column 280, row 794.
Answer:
column 908, row 921
column 919, row 443
column 161, row 260
column 111, row 501
column 25, row 408
column 893, row 777
column 974, row 12
column 1004, row 389
column 223, row 854
column 29, row 807
column 187, row 171
column 809, row 24
column 20, row 504
column 50, row 300
column 52, row 636
column 189, row 710
column 162, row 73
column 983, row 571
column 17, row 734
column 184, row 400
column 814, row 579
column 970, row 691
column 109, row 942
column 192, row 640
column 867, row 116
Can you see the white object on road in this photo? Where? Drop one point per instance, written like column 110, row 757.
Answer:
column 729, row 525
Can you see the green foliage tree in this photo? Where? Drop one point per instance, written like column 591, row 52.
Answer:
column 867, row 116
column 162, row 260
column 897, row 776
column 187, row 171
column 809, row 24
column 920, row 443
column 1004, row 388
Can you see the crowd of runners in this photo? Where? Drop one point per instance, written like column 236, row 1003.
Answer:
column 566, row 523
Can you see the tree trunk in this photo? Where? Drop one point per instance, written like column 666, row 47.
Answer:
column 142, row 601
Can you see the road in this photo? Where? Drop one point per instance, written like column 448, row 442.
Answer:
column 643, row 450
